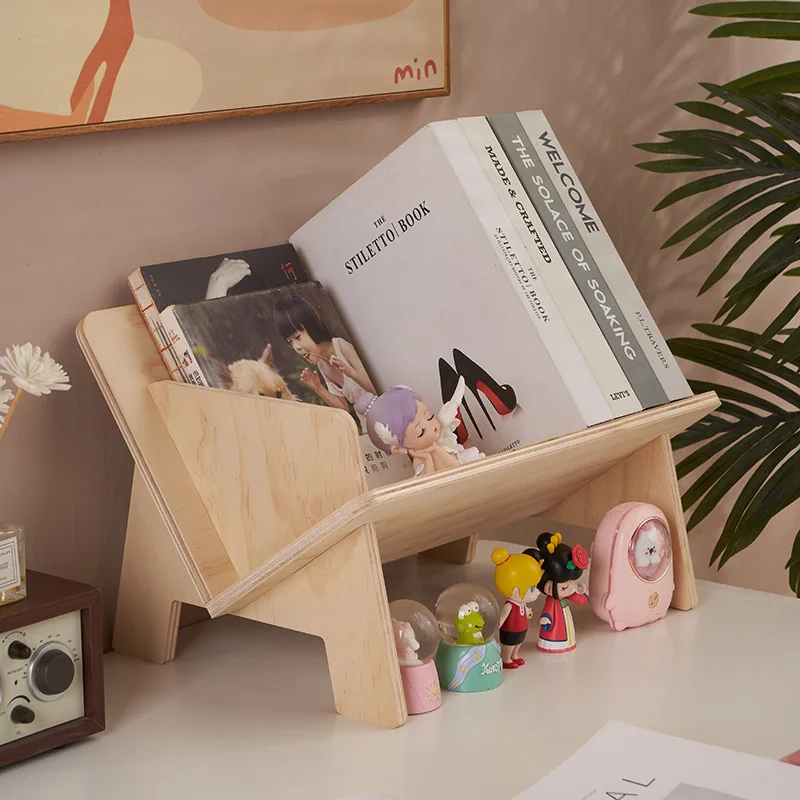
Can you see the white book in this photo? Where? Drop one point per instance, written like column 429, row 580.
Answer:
column 602, row 250
column 523, row 275
column 424, row 290
column 550, row 266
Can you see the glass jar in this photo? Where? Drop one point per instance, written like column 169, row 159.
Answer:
column 12, row 563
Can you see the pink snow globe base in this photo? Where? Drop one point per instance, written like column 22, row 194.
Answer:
column 421, row 688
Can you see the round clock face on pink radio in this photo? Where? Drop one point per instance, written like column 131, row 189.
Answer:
column 649, row 550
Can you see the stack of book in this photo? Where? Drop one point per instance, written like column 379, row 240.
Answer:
column 473, row 250
column 253, row 322
column 470, row 251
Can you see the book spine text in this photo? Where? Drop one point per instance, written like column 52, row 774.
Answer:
column 579, row 261
column 516, row 263
column 189, row 370
column 610, row 263
column 607, row 372
column 152, row 318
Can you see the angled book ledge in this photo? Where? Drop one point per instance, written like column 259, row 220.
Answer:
column 258, row 507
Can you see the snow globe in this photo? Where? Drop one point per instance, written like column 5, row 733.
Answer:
column 468, row 658
column 416, row 637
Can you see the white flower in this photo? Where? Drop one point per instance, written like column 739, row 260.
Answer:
column 6, row 396
column 33, row 371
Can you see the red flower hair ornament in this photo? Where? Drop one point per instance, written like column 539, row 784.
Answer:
column 580, row 558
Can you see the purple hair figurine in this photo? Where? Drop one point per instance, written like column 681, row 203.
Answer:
column 399, row 422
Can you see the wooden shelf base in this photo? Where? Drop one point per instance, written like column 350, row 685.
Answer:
column 258, row 507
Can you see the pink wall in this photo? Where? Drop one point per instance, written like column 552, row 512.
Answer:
column 80, row 213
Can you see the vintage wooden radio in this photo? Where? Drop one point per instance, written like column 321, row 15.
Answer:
column 51, row 667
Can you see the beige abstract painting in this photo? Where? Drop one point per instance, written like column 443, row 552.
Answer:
column 71, row 66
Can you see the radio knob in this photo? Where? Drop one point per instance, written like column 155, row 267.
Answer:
column 51, row 672
column 19, row 649
column 22, row 715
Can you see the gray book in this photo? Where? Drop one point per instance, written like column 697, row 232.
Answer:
column 588, row 277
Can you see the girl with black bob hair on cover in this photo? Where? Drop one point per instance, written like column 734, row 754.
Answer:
column 343, row 377
column 563, row 566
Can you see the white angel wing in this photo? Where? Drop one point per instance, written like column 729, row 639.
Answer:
column 448, row 419
column 385, row 435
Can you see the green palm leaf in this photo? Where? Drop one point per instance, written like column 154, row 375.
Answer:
column 756, row 9
column 771, row 263
column 780, row 490
column 793, row 565
column 770, row 183
column 708, row 183
column 740, row 363
column 753, row 341
column 752, row 450
column 789, row 312
column 733, row 531
column 752, row 235
column 739, row 122
column 772, row 80
column 739, row 395
column 750, row 154
column 726, row 208
column 748, row 434
column 762, row 29
column 774, row 110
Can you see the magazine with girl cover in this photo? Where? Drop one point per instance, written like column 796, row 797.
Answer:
column 286, row 343
column 156, row 286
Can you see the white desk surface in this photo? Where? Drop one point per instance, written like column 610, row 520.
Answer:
column 246, row 710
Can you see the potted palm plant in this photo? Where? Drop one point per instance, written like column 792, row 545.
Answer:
column 743, row 157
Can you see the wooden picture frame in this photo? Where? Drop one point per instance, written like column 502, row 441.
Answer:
column 23, row 116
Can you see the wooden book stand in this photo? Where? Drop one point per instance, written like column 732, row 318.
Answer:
column 258, row 507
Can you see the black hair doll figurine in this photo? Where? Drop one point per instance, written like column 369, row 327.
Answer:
column 563, row 566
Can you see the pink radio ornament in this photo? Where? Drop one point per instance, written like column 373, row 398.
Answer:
column 631, row 580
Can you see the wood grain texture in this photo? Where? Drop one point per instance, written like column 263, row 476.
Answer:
column 278, row 494
column 414, row 515
column 124, row 361
column 266, row 470
column 212, row 116
column 153, row 584
column 461, row 551
column 341, row 597
column 646, row 476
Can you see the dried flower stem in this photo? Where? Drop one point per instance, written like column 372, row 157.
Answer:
column 16, row 399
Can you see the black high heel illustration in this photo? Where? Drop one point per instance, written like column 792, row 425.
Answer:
column 448, row 379
column 501, row 396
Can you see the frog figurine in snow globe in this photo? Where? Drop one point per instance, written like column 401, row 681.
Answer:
column 468, row 658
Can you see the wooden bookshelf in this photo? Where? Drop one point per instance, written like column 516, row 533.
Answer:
column 258, row 507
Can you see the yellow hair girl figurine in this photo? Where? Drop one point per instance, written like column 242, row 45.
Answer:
column 516, row 577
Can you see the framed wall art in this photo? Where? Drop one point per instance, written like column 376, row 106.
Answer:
column 76, row 66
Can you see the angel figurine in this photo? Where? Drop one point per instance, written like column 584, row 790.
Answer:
column 399, row 422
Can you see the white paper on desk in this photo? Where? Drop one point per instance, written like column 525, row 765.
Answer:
column 622, row 762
